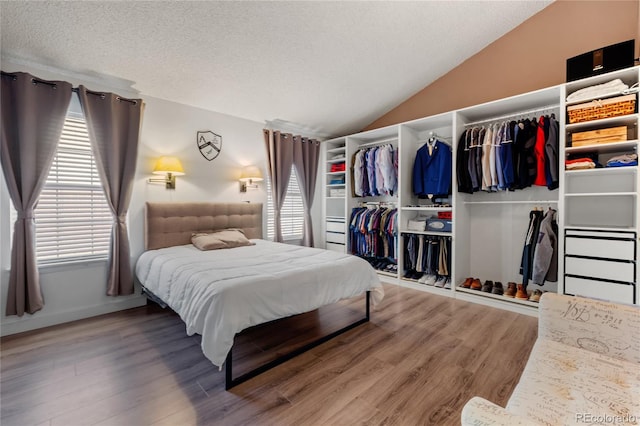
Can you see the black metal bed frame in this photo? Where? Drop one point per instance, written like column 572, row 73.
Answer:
column 231, row 382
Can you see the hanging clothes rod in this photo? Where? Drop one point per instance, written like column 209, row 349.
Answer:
column 74, row 89
column 515, row 114
column 381, row 142
column 391, row 204
column 433, row 136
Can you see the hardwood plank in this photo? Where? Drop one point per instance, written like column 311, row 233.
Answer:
column 418, row 361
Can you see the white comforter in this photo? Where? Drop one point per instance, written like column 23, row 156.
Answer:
column 219, row 293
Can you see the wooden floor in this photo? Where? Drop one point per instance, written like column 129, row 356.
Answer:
column 417, row 362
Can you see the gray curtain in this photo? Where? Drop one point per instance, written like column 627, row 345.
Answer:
column 279, row 162
column 305, row 160
column 114, row 128
column 33, row 113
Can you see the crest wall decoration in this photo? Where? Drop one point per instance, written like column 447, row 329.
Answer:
column 209, row 144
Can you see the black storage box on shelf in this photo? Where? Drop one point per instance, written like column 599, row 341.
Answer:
column 600, row 61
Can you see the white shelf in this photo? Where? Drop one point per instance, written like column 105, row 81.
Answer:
column 437, row 233
column 497, row 297
column 628, row 120
column 340, row 149
column 335, row 198
column 600, row 97
column 602, row 194
column 428, row 208
column 387, row 274
column 335, row 185
column 335, row 173
column 336, row 160
column 414, row 284
column 604, row 147
column 603, row 171
column 513, row 202
column 627, row 75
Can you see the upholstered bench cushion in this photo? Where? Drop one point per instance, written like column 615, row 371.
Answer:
column 563, row 385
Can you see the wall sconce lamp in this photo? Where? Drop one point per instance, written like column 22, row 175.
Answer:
column 170, row 167
column 250, row 175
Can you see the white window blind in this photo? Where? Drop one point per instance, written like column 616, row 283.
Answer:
column 292, row 213
column 73, row 220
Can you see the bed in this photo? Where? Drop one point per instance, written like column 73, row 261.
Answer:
column 219, row 293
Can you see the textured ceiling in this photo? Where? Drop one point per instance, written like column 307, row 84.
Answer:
column 331, row 66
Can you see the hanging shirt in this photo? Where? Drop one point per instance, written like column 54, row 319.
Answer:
column 506, row 154
column 486, row 140
column 540, row 179
column 472, row 134
column 432, row 172
column 462, row 160
column 551, row 151
column 358, row 166
column 498, row 145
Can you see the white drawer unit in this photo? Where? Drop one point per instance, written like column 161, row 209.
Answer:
column 601, row 264
column 336, row 247
column 604, row 269
column 335, row 237
column 615, row 292
column 333, row 226
column 602, row 245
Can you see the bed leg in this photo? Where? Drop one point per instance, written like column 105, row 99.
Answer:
column 368, row 303
column 228, row 371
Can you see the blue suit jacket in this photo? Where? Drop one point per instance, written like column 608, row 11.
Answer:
column 432, row 173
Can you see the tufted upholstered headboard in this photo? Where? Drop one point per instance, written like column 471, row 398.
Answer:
column 171, row 224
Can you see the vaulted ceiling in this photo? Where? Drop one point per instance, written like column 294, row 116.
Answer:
column 332, row 66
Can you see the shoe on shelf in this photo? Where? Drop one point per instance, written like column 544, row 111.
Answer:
column 535, row 297
column 409, row 274
column 423, row 278
column 522, row 292
column 447, row 283
column 511, row 290
column 497, row 288
column 467, row 283
column 431, row 279
column 440, row 282
column 487, row 287
column 475, row 284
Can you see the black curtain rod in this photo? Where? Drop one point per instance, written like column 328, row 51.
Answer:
column 75, row 89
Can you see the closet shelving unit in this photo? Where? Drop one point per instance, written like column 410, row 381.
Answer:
column 338, row 209
column 601, row 207
column 489, row 228
column 334, row 206
column 413, row 136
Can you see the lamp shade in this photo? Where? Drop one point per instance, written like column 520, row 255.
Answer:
column 251, row 173
column 168, row 165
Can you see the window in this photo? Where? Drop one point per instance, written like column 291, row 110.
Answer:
column 73, row 219
column 292, row 213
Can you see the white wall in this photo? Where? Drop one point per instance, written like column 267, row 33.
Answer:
column 78, row 291
column 170, row 129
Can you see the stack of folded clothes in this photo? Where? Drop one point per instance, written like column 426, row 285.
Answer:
column 612, row 87
column 338, row 167
column 623, row 160
column 580, row 163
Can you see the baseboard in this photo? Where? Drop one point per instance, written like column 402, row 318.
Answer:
column 41, row 320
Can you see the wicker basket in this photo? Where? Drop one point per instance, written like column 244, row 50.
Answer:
column 595, row 110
